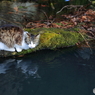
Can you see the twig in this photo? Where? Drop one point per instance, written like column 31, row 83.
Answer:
column 86, row 42
column 69, row 7
column 45, row 15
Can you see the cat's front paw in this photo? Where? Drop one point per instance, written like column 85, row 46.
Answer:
column 18, row 49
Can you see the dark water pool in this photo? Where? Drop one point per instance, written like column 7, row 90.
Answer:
column 70, row 72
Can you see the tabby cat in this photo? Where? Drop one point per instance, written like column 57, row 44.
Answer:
column 13, row 38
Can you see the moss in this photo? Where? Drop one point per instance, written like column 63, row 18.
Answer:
column 52, row 38
column 59, row 39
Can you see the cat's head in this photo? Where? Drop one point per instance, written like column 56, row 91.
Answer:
column 32, row 40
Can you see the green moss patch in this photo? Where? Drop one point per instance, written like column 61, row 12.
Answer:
column 53, row 38
column 57, row 39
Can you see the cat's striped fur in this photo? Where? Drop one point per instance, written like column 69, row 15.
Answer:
column 14, row 38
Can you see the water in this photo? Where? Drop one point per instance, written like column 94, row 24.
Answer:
column 49, row 73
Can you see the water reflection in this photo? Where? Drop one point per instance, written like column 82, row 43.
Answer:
column 26, row 67
column 4, row 66
column 84, row 52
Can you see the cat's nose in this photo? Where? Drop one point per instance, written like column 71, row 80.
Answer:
column 32, row 46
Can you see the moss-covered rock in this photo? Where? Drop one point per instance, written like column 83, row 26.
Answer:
column 54, row 40
column 51, row 38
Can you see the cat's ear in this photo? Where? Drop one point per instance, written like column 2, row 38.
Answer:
column 35, row 36
column 38, row 36
column 27, row 34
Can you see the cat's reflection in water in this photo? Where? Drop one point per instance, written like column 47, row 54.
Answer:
column 14, row 72
column 5, row 65
column 26, row 67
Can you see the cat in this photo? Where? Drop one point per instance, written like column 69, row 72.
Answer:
column 13, row 38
